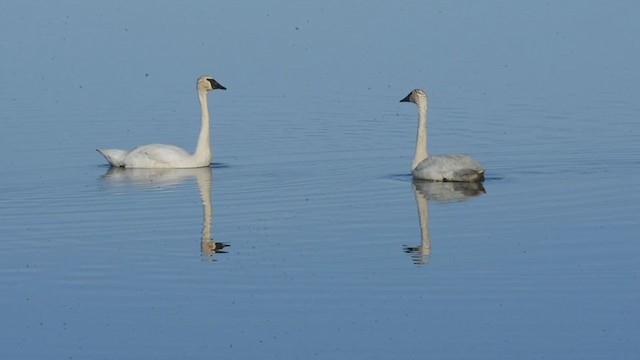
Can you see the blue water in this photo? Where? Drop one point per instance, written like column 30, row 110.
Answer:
column 307, row 237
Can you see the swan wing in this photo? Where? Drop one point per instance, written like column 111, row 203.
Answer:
column 449, row 168
column 156, row 156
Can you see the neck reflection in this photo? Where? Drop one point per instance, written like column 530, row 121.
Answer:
column 438, row 191
column 158, row 178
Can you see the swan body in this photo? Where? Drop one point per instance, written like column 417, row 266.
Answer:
column 457, row 167
column 152, row 156
column 161, row 156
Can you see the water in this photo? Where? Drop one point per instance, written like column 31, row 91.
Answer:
column 333, row 252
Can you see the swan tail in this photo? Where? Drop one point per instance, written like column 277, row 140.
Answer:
column 115, row 157
column 468, row 175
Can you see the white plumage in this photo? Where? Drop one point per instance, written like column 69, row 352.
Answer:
column 457, row 167
column 156, row 156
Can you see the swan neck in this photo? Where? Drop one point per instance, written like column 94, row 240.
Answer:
column 421, row 138
column 203, row 148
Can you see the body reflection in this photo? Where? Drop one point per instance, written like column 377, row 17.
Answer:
column 438, row 191
column 154, row 178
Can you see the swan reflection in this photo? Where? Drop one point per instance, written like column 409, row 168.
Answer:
column 438, row 191
column 159, row 178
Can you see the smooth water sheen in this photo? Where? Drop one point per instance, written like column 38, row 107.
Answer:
column 307, row 237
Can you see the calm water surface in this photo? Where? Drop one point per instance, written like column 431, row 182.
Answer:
column 307, row 238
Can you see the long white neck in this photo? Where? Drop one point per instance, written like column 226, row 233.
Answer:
column 421, row 140
column 203, row 148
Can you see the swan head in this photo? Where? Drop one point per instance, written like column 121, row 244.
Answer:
column 207, row 83
column 416, row 96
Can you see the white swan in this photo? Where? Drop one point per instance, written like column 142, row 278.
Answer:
column 438, row 168
column 157, row 156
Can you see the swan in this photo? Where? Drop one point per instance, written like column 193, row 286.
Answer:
column 160, row 156
column 438, row 168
